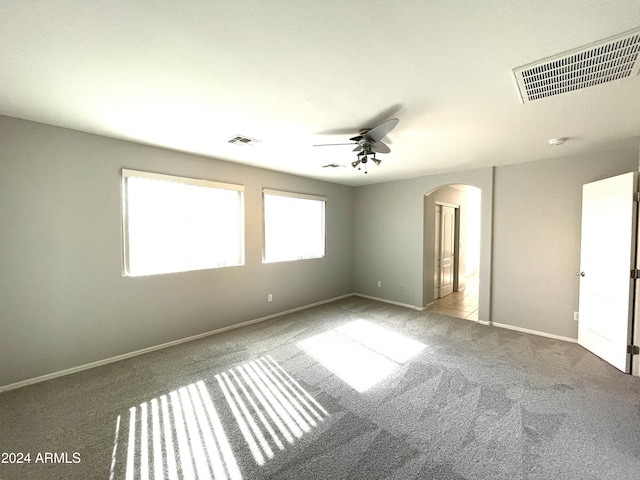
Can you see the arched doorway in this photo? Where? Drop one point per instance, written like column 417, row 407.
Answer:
column 452, row 250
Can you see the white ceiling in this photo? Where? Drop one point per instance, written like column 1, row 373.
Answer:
column 190, row 75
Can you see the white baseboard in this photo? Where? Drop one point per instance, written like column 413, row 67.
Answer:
column 481, row 322
column 106, row 361
column 532, row 332
column 523, row 330
column 384, row 300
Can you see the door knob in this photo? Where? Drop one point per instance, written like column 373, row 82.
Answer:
column 580, row 274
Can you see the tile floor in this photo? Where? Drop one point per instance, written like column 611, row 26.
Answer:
column 462, row 304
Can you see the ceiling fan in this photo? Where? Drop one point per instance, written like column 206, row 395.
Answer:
column 369, row 142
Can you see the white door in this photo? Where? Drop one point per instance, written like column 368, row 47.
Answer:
column 447, row 263
column 606, row 261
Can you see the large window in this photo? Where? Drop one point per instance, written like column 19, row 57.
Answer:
column 176, row 224
column 294, row 226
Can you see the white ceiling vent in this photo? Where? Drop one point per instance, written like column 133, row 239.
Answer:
column 605, row 61
column 242, row 140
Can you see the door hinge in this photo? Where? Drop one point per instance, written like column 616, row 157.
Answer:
column 636, row 196
column 633, row 349
column 635, row 273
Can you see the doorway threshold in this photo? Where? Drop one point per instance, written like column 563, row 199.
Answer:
column 461, row 304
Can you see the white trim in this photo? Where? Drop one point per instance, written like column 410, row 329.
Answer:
column 306, row 196
column 189, row 181
column 487, row 323
column 117, row 358
column 384, row 300
column 106, row 361
column 235, row 192
column 532, row 332
column 481, row 322
column 292, row 255
column 445, row 204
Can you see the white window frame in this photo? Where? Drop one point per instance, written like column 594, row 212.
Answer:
column 303, row 196
column 127, row 173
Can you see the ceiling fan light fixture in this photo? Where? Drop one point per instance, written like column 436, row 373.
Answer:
column 368, row 143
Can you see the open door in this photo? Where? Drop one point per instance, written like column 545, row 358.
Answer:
column 607, row 260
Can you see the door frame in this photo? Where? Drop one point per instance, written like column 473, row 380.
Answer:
column 483, row 211
column 456, row 245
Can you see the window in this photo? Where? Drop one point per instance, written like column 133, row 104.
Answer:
column 294, row 226
column 175, row 224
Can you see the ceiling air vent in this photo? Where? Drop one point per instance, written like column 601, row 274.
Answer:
column 333, row 165
column 242, row 140
column 605, row 61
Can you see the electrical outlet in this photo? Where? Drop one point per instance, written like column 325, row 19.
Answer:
column 269, row 298
column 379, row 283
column 576, row 316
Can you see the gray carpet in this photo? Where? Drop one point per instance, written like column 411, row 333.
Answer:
column 354, row 389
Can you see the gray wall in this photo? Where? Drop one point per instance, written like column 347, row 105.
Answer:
column 63, row 299
column 530, row 237
column 389, row 236
column 536, row 250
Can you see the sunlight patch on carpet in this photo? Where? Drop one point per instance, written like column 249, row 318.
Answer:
column 177, row 435
column 361, row 353
column 269, row 405
column 180, row 434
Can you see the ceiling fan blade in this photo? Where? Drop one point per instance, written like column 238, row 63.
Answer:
column 333, row 144
column 380, row 117
column 385, row 114
column 338, row 131
column 378, row 133
column 357, row 149
column 356, row 138
column 380, row 147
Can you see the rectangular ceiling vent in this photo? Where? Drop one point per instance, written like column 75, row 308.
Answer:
column 612, row 59
column 242, row 140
